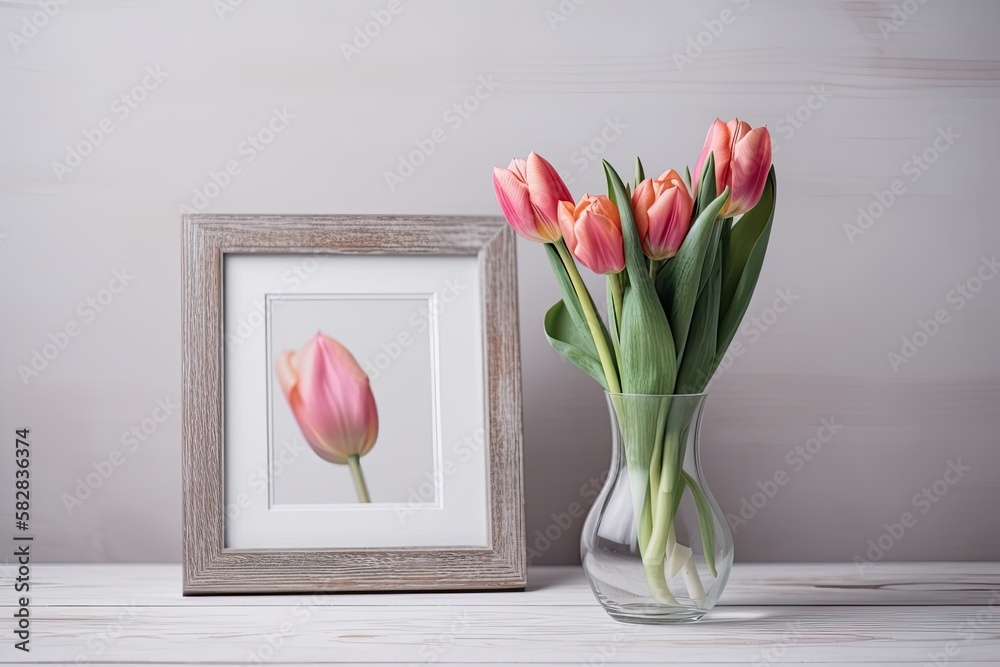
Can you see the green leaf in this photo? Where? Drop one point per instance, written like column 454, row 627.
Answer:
column 648, row 362
column 612, row 315
column 611, row 189
column 678, row 496
column 679, row 281
column 569, row 341
column 570, row 299
column 640, row 174
column 708, row 189
column 743, row 237
column 698, row 362
column 725, row 245
column 745, row 249
column 706, row 522
column 713, row 247
column 571, row 329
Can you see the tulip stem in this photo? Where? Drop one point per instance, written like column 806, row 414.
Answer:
column 593, row 321
column 354, row 463
column 654, row 269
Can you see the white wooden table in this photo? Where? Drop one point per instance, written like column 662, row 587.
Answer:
column 895, row 614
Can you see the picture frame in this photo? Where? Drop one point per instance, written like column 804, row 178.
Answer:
column 226, row 377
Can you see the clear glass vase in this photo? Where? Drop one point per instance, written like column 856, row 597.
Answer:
column 656, row 548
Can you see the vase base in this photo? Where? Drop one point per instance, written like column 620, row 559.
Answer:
column 651, row 614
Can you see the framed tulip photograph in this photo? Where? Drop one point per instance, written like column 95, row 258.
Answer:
column 352, row 405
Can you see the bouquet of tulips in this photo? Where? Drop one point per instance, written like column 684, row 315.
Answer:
column 682, row 260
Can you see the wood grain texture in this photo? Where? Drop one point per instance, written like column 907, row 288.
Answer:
column 211, row 568
column 750, row 584
column 135, row 614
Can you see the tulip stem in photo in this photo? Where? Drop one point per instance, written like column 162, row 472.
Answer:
column 354, row 463
column 593, row 321
column 331, row 398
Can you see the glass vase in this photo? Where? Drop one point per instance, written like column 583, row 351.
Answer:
column 655, row 547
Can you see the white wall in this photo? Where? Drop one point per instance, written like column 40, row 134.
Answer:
column 887, row 90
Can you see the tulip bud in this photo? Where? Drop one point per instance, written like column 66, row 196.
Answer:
column 662, row 209
column 331, row 398
column 593, row 233
column 742, row 162
column 529, row 192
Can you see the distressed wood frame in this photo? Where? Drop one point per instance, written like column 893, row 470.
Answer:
column 211, row 568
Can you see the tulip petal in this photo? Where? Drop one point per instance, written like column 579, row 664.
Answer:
column 679, row 225
column 655, row 243
column 529, row 192
column 738, row 129
column 537, row 165
column 604, row 208
column 547, row 229
column 662, row 211
column 546, row 188
column 520, row 168
column 642, row 200
column 671, row 176
column 718, row 143
column 751, row 164
column 512, row 195
column 295, row 403
column 284, row 369
column 566, row 224
column 742, row 161
column 599, row 247
column 337, row 402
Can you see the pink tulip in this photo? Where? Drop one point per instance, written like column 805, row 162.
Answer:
column 593, row 233
column 742, row 162
column 529, row 192
column 330, row 397
column 662, row 209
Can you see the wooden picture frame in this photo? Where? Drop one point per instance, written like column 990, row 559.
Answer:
column 209, row 567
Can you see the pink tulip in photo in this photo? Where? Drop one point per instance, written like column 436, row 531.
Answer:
column 331, row 398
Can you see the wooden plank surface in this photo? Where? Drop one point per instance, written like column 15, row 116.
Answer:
column 772, row 614
column 756, row 584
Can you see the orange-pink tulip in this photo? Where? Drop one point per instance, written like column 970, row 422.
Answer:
column 330, row 397
column 742, row 162
column 662, row 208
column 529, row 192
column 593, row 233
